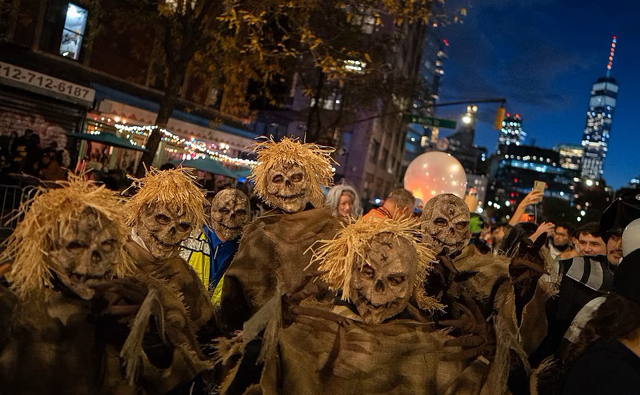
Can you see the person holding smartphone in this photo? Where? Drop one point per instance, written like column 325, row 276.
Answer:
column 534, row 197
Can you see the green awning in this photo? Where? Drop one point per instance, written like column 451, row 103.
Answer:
column 107, row 139
column 208, row 165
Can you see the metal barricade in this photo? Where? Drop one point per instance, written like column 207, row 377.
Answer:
column 10, row 199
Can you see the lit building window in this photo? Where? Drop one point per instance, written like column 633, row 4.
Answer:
column 354, row 66
column 73, row 33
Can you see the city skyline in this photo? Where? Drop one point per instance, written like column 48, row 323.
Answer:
column 546, row 70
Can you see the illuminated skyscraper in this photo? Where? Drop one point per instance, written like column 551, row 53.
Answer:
column 511, row 132
column 570, row 156
column 595, row 139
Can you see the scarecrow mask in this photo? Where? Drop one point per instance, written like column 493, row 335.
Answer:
column 229, row 213
column 381, row 288
column 163, row 227
column 288, row 187
column 85, row 251
column 445, row 223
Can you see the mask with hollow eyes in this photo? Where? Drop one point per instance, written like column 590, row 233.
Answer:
column 86, row 250
column 288, row 187
column 163, row 227
column 381, row 288
column 445, row 223
column 230, row 212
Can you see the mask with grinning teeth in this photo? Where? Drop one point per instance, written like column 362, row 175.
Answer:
column 85, row 251
column 288, row 187
column 381, row 288
column 163, row 227
column 445, row 223
column 378, row 266
column 291, row 174
column 229, row 213
column 73, row 234
column 166, row 208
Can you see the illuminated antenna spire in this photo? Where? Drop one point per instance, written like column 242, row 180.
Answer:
column 611, row 53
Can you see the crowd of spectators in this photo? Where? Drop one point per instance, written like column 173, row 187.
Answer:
column 25, row 156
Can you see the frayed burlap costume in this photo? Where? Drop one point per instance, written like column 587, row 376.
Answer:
column 59, row 325
column 345, row 255
column 174, row 196
column 310, row 351
column 517, row 335
column 509, row 290
column 27, row 245
column 315, row 159
column 273, row 248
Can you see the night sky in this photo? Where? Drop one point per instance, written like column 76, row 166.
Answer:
column 544, row 56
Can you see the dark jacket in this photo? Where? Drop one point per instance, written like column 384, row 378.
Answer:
column 582, row 280
column 609, row 368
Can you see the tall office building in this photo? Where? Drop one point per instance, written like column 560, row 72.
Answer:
column 570, row 157
column 599, row 121
column 511, row 132
column 420, row 137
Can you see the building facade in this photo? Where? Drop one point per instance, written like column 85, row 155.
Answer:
column 511, row 132
column 369, row 150
column 570, row 157
column 421, row 137
column 513, row 172
column 65, row 70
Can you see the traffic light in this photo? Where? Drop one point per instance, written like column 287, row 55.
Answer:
column 497, row 125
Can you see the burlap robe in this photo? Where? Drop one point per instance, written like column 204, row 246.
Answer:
column 52, row 343
column 273, row 249
column 513, row 338
column 180, row 277
column 316, row 356
column 402, row 357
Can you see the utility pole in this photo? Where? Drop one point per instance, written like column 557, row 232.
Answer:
column 500, row 100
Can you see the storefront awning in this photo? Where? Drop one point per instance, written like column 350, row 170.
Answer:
column 207, row 165
column 107, row 139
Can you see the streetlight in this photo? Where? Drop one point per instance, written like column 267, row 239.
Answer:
column 466, row 119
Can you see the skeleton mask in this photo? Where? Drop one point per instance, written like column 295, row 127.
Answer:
column 162, row 228
column 229, row 213
column 382, row 287
column 288, row 187
column 445, row 223
column 86, row 250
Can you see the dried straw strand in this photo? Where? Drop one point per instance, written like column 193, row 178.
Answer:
column 315, row 159
column 346, row 252
column 175, row 187
column 27, row 246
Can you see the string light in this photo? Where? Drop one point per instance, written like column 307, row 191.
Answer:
column 197, row 148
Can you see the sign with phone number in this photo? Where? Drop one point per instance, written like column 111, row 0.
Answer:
column 14, row 75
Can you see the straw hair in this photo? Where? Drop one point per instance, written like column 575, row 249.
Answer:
column 315, row 159
column 175, row 187
column 28, row 245
column 340, row 257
